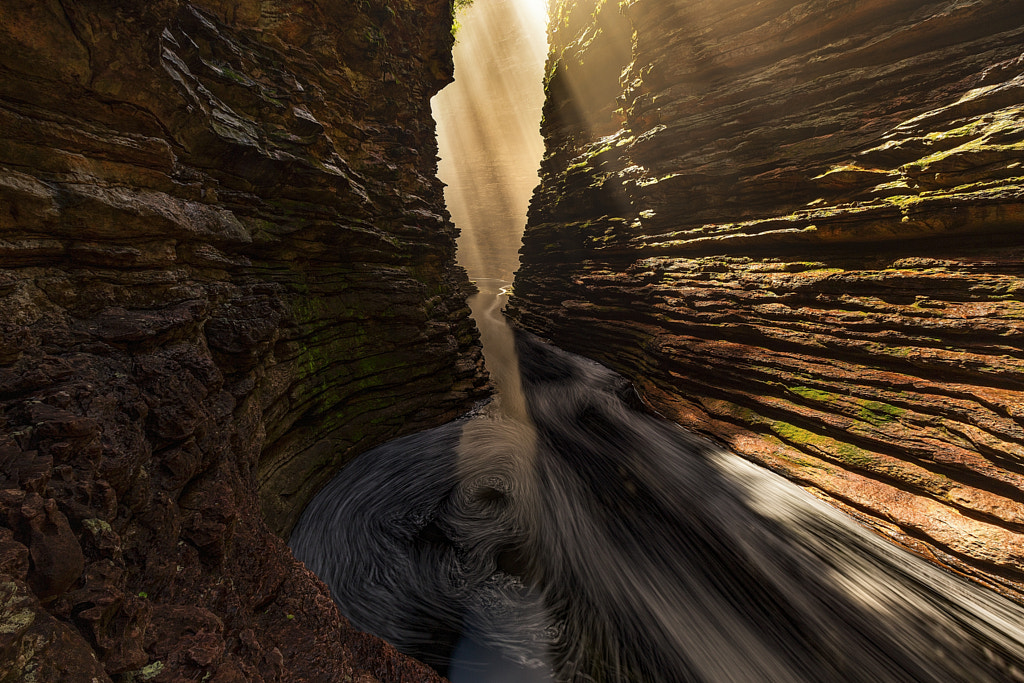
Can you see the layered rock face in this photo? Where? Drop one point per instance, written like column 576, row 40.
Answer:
column 797, row 225
column 225, row 269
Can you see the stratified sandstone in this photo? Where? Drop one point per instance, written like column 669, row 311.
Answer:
column 798, row 226
column 225, row 269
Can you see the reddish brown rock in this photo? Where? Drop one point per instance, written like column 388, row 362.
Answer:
column 56, row 560
column 797, row 226
column 36, row 646
column 225, row 270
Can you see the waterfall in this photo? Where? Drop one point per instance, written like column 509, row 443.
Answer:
column 564, row 533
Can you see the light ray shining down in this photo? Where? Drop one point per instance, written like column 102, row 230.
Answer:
column 488, row 124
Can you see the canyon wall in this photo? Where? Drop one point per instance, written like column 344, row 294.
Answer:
column 797, row 226
column 225, row 269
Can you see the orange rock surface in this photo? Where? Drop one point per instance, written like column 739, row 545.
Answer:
column 798, row 227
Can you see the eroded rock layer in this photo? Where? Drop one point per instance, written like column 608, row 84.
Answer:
column 225, row 268
column 799, row 226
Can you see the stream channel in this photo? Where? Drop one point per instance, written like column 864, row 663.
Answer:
column 561, row 532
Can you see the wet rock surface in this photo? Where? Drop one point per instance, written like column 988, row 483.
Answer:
column 225, row 269
column 796, row 225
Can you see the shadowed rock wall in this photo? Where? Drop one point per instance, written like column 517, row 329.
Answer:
column 225, row 269
column 798, row 226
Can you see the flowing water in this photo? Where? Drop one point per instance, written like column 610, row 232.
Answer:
column 591, row 539
column 562, row 533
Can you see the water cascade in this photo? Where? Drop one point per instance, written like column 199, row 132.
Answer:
column 564, row 533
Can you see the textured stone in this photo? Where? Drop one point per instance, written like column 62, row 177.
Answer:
column 797, row 225
column 225, row 269
column 35, row 646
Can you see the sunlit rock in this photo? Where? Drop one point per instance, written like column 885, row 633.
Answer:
column 797, row 227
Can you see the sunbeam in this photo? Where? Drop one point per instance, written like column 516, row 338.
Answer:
column 488, row 130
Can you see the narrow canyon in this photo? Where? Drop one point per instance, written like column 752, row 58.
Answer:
column 232, row 319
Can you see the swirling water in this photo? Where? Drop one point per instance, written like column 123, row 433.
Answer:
column 563, row 533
